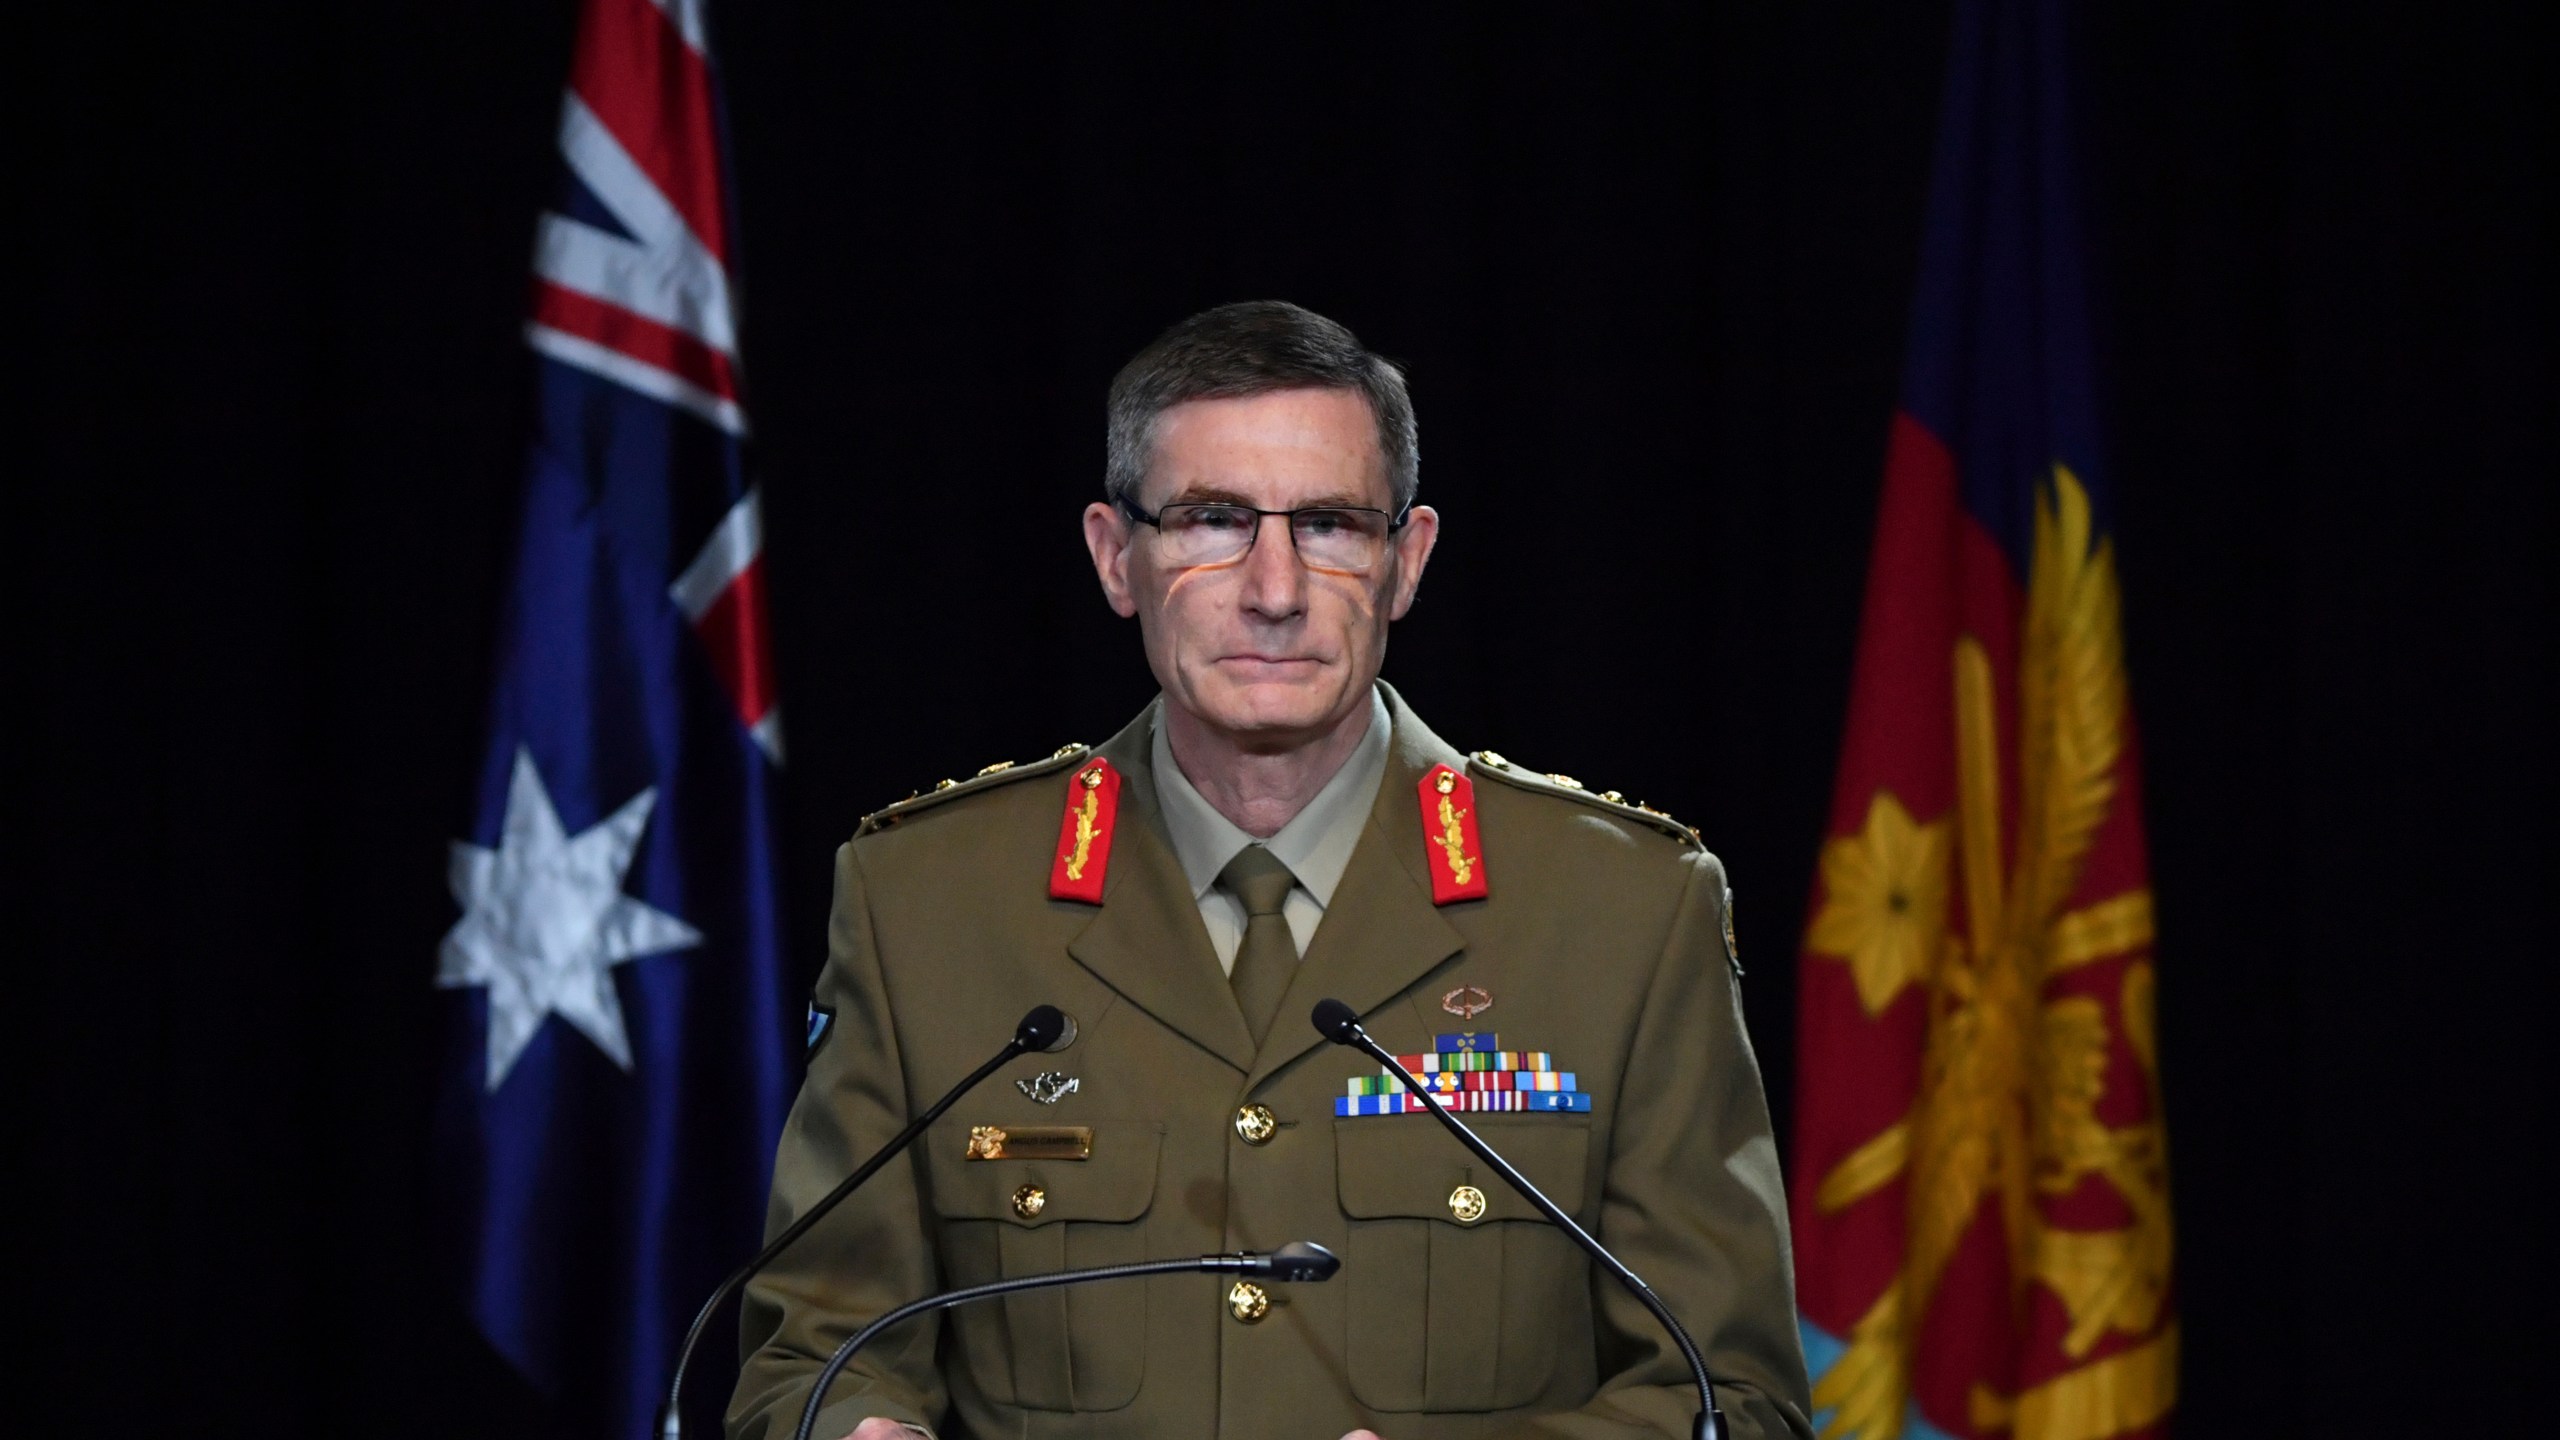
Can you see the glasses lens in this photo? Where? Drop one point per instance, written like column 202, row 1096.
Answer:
column 1218, row 534
column 1205, row 534
column 1340, row 539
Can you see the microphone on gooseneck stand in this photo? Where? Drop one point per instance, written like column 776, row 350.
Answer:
column 1340, row 1024
column 1045, row 1028
column 1299, row 1261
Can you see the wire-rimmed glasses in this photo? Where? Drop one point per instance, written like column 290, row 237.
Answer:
column 1348, row 538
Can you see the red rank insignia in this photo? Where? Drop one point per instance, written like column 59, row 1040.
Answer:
column 1084, row 834
column 1449, row 842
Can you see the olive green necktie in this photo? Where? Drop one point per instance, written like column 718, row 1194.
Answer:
column 1267, row 958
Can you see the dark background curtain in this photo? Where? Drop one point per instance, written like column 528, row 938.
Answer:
column 1648, row 267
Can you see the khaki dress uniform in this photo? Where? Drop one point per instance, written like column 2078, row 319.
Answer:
column 1583, row 930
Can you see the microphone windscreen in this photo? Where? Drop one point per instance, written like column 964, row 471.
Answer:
column 1335, row 1021
column 1304, row 1261
column 1066, row 1035
column 1041, row 1028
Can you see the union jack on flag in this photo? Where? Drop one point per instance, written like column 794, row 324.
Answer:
column 632, row 271
column 620, row 1050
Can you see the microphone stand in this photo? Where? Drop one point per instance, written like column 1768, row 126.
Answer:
column 1338, row 1023
column 1045, row 1028
column 1299, row 1260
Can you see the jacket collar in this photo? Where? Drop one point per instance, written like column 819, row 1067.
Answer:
column 1380, row 933
column 1147, row 941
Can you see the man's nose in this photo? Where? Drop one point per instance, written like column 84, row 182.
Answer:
column 1275, row 584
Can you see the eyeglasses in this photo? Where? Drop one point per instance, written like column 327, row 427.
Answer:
column 1348, row 538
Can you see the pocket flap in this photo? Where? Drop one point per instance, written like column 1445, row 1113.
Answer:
column 1117, row 1182
column 1406, row 1165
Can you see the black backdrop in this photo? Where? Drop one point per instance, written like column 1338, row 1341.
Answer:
column 1648, row 268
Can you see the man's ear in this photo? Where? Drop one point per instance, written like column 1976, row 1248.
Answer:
column 1107, row 534
column 1413, row 551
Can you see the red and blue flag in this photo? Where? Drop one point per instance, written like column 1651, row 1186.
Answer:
column 620, row 1053
column 1980, row 1180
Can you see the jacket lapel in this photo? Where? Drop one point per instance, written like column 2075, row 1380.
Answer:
column 1147, row 941
column 1382, row 933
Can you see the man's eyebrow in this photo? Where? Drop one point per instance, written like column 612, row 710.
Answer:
column 1211, row 494
column 1199, row 494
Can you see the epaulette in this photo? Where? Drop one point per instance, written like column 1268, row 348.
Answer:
column 1003, row 772
column 1494, row 767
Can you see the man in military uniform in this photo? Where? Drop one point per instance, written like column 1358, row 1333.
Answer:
column 1278, row 827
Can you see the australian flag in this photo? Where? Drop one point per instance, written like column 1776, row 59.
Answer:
column 620, row 1054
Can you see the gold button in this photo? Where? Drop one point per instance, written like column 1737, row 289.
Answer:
column 1030, row 1200
column 1248, row 1302
column 1467, row 1203
column 1257, row 1124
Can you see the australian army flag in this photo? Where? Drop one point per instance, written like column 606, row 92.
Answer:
column 1980, row 1186
column 620, row 1057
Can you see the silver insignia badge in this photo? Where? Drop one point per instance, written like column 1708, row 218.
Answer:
column 1049, row 1086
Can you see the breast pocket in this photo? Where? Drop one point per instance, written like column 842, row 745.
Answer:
column 1077, row 1347
column 1462, row 1294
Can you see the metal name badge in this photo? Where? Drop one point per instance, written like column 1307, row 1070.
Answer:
column 1031, row 1142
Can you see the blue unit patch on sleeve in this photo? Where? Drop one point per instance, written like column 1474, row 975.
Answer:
column 822, row 1023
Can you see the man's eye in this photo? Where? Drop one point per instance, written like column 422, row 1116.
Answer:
column 1219, row 518
column 1322, row 522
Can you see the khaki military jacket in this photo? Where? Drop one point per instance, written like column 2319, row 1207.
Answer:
column 1599, row 942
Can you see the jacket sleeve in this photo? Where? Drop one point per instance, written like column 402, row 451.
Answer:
column 863, row 1259
column 1693, row 1203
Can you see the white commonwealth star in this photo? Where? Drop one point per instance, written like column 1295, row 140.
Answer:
column 544, row 918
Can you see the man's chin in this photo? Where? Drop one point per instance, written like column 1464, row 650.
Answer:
column 1273, row 711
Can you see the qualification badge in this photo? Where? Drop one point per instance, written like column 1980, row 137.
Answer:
column 1449, row 842
column 1084, row 833
column 1049, row 1086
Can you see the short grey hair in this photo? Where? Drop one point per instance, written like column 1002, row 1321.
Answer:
column 1255, row 347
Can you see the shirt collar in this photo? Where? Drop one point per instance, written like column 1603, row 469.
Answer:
column 1317, row 842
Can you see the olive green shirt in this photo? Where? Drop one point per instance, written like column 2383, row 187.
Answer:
column 1316, row 844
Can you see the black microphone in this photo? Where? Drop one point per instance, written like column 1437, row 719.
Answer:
column 1340, row 1024
column 1045, row 1028
column 1299, row 1261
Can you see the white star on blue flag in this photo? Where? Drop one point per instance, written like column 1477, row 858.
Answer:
column 544, row 921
